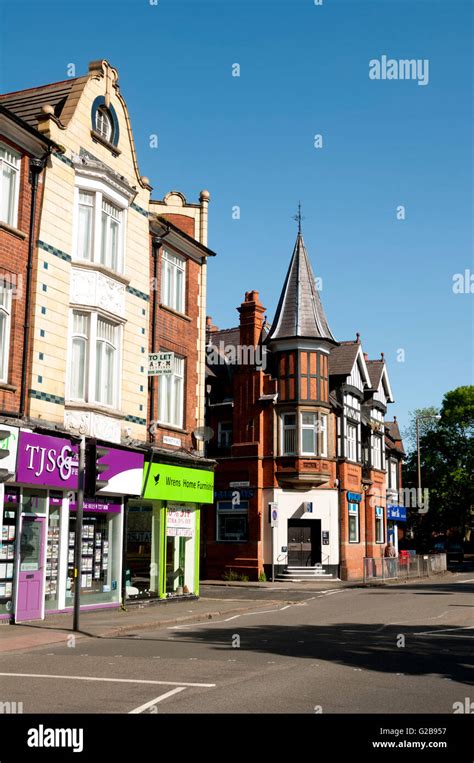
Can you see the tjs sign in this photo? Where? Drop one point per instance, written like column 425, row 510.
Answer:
column 48, row 461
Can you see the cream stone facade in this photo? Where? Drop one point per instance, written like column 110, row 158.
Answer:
column 107, row 171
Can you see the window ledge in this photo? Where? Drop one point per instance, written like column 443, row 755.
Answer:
column 12, row 230
column 106, row 143
column 94, row 408
column 175, row 312
column 161, row 425
column 7, row 387
column 101, row 269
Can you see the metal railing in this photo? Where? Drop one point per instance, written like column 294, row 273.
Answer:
column 403, row 568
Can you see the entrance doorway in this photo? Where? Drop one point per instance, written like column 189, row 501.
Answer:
column 30, row 575
column 304, row 542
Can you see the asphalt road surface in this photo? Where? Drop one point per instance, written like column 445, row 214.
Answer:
column 397, row 649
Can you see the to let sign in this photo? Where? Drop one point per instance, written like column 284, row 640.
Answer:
column 160, row 363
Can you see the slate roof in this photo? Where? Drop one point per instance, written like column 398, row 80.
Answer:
column 375, row 368
column 300, row 312
column 342, row 358
column 27, row 104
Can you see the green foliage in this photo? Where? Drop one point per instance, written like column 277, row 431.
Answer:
column 232, row 575
column 447, row 468
column 262, row 577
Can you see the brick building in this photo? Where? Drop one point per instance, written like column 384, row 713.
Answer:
column 299, row 422
column 86, row 265
column 24, row 153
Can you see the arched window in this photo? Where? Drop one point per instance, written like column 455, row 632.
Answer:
column 103, row 123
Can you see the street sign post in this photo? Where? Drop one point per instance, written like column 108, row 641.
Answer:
column 273, row 509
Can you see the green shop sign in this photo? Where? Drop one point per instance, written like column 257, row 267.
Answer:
column 178, row 483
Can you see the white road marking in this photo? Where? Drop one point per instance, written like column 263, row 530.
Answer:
column 231, row 618
column 444, row 630
column 109, row 680
column 156, row 700
column 471, row 580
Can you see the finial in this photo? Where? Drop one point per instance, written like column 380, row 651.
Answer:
column 357, row 337
column 298, row 217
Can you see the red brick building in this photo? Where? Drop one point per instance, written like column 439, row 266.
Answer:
column 299, row 422
column 23, row 155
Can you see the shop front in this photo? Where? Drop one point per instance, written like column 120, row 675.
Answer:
column 40, row 508
column 9, row 502
column 163, row 531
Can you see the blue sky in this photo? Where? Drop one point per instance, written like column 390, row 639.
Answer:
column 250, row 141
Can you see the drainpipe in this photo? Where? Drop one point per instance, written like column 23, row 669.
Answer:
column 157, row 242
column 36, row 167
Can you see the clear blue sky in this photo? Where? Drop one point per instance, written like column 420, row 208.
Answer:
column 249, row 140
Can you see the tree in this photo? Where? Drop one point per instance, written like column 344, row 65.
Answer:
column 427, row 423
column 447, row 469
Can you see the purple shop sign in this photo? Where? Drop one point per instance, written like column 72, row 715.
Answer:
column 99, row 505
column 124, row 472
column 48, row 461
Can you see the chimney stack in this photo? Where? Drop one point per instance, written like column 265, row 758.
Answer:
column 251, row 319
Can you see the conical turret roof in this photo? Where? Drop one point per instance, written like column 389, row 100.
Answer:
column 300, row 312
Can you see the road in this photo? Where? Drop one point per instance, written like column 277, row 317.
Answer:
column 396, row 649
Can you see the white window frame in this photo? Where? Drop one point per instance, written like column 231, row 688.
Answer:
column 286, row 428
column 102, row 117
column 314, row 428
column 393, row 474
column 86, row 337
column 353, row 511
column 351, row 443
column 376, row 452
column 167, row 383
column 6, row 311
column 101, row 193
column 379, row 525
column 323, row 435
column 224, row 434
column 90, row 360
column 171, row 264
column 12, row 159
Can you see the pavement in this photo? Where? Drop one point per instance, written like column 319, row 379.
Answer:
column 403, row 648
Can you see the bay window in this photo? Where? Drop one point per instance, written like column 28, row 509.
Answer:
column 9, row 185
column 308, row 434
column 323, row 435
column 173, row 280
column 106, row 362
column 5, row 328
column 94, row 367
column 171, row 395
column 288, row 422
column 100, row 226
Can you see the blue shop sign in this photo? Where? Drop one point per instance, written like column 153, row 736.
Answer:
column 397, row 512
column 354, row 497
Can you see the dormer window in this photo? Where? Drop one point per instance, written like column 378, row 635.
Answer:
column 103, row 124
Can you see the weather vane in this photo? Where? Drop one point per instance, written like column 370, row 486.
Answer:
column 298, row 217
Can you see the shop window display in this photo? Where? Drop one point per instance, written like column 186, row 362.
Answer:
column 100, row 558
column 7, row 550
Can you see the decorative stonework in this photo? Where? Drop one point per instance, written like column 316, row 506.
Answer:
column 78, row 422
column 89, row 287
column 106, row 428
